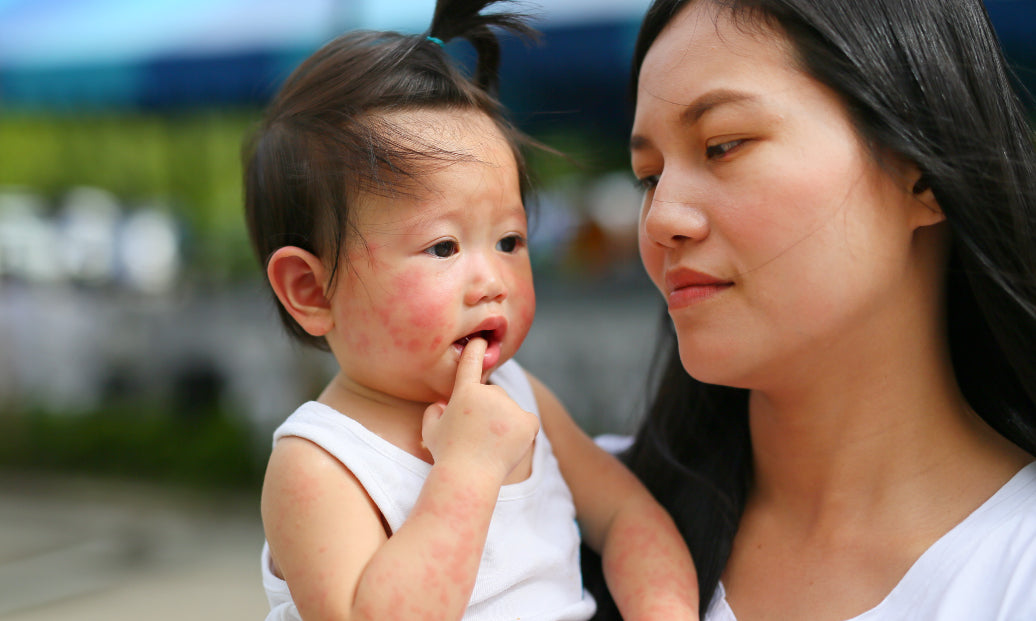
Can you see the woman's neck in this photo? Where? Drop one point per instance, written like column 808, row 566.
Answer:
column 857, row 473
column 859, row 438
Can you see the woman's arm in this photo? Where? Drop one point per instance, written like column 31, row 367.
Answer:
column 646, row 563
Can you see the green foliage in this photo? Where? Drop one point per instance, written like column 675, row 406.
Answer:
column 212, row 451
column 190, row 163
column 577, row 154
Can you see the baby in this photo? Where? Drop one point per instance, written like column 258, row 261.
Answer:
column 433, row 478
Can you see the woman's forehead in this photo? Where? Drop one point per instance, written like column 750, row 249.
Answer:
column 704, row 50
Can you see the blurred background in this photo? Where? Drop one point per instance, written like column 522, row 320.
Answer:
column 142, row 368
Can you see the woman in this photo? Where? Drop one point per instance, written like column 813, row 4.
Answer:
column 840, row 211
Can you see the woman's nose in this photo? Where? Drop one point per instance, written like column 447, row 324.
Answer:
column 669, row 218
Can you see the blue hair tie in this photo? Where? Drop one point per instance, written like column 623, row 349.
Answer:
column 436, row 40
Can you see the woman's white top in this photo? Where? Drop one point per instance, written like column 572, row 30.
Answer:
column 984, row 568
column 530, row 563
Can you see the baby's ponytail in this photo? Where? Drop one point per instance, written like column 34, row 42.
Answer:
column 463, row 19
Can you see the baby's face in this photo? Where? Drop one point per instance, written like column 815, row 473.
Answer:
column 442, row 263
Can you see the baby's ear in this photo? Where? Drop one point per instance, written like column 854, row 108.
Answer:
column 299, row 280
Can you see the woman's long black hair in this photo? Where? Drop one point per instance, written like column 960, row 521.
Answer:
column 926, row 80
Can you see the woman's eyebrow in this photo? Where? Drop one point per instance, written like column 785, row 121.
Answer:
column 701, row 106
column 714, row 99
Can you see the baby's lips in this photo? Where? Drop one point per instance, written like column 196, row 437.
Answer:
column 492, row 330
column 464, row 340
column 492, row 356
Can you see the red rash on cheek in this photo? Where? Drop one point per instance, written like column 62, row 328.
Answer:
column 528, row 314
column 415, row 314
column 525, row 298
column 359, row 339
column 362, row 343
column 420, row 297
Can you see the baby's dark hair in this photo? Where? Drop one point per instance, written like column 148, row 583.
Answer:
column 324, row 139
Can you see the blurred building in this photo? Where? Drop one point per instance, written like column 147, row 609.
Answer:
column 97, row 300
column 169, row 53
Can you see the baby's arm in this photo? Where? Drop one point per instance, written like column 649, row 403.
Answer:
column 646, row 563
column 327, row 536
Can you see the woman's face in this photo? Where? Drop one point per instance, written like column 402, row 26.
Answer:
column 778, row 242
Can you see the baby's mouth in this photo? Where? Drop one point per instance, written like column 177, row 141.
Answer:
column 493, row 330
column 488, row 335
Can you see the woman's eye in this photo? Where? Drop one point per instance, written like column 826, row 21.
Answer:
column 719, row 150
column 510, row 243
column 647, row 183
column 443, row 249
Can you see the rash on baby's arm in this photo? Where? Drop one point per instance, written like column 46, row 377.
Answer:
column 646, row 563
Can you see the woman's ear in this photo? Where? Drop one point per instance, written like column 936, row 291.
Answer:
column 928, row 211
column 299, row 280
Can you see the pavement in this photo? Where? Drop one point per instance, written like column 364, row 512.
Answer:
column 85, row 549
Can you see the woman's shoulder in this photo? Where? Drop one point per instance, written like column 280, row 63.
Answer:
column 983, row 568
column 1007, row 522
column 1009, row 516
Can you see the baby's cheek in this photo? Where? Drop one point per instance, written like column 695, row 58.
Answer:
column 524, row 300
column 424, row 308
column 356, row 335
column 360, row 342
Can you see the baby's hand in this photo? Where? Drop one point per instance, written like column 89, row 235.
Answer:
column 481, row 424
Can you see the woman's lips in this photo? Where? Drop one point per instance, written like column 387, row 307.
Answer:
column 687, row 287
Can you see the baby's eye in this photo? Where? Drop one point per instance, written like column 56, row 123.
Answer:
column 444, row 249
column 719, row 150
column 510, row 243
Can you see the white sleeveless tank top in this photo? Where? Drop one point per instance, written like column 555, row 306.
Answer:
column 530, row 564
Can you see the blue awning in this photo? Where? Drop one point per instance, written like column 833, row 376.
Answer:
column 170, row 54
